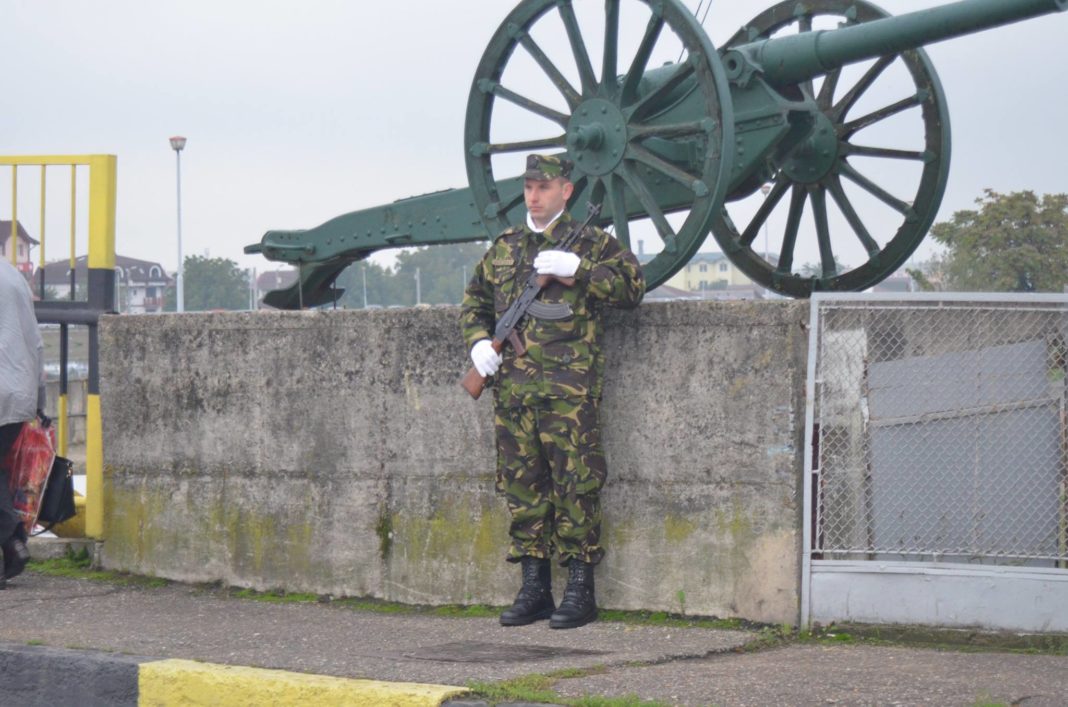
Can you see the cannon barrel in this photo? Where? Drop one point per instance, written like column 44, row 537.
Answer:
column 686, row 138
column 800, row 57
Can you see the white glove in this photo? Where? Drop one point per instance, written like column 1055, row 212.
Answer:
column 486, row 360
column 556, row 262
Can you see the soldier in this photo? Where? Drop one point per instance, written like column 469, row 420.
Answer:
column 550, row 464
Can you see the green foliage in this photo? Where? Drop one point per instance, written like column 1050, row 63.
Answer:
column 77, row 565
column 815, row 270
column 383, row 289
column 1012, row 243
column 443, row 270
column 539, row 688
column 210, row 283
column 277, row 596
column 529, row 688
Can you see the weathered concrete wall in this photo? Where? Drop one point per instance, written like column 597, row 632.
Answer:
column 334, row 452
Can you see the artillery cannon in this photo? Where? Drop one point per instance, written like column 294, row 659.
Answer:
column 673, row 145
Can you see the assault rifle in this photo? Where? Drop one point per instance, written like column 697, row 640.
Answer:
column 526, row 303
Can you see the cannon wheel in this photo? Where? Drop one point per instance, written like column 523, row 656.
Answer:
column 606, row 123
column 917, row 215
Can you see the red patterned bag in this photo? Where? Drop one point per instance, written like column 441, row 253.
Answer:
column 28, row 463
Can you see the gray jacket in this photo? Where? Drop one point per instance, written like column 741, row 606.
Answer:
column 21, row 350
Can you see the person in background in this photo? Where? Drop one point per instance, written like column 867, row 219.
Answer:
column 21, row 396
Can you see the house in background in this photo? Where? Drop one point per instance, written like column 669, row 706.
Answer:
column 272, row 280
column 709, row 276
column 139, row 284
column 25, row 243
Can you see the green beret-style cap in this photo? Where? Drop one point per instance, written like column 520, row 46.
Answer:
column 545, row 168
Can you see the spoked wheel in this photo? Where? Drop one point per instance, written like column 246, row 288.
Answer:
column 631, row 150
column 821, row 166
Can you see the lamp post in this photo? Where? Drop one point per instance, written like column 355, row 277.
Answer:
column 177, row 143
column 363, row 269
column 764, row 189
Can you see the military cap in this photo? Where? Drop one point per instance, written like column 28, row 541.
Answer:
column 544, row 168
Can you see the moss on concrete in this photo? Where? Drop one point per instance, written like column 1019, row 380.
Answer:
column 384, row 531
column 678, row 529
column 455, row 530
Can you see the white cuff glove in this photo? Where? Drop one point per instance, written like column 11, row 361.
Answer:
column 556, row 262
column 486, row 360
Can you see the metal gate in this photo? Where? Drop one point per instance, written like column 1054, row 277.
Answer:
column 936, row 488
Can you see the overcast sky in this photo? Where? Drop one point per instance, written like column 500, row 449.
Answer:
column 296, row 112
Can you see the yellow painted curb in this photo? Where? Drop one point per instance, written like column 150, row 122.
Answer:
column 186, row 682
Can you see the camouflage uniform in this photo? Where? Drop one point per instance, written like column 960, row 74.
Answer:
column 550, row 464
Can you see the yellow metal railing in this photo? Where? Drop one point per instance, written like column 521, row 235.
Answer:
column 101, row 275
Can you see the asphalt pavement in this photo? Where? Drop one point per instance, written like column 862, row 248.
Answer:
column 666, row 664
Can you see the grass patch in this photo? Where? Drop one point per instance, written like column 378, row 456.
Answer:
column 378, row 606
column 275, row 596
column 529, row 688
column 945, row 639
column 77, row 565
column 473, row 611
column 664, row 618
column 540, row 688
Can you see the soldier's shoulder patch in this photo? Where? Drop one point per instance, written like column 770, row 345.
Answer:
column 509, row 232
column 503, row 262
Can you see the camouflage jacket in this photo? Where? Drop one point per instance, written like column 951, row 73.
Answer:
column 564, row 358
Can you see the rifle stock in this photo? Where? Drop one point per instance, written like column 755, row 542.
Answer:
column 473, row 381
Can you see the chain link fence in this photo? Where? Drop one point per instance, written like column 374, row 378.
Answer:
column 941, row 430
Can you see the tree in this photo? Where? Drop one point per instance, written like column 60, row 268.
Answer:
column 379, row 281
column 211, row 283
column 929, row 275
column 816, row 269
column 444, row 271
column 443, row 274
column 1013, row 243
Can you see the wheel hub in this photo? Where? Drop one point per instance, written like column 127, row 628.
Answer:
column 815, row 157
column 597, row 136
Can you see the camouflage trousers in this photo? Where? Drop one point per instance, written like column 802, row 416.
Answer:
column 550, row 469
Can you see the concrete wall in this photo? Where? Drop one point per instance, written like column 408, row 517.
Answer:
column 334, row 452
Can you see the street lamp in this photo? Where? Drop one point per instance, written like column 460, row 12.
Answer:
column 765, row 189
column 177, row 143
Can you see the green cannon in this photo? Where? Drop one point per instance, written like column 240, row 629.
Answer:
column 785, row 108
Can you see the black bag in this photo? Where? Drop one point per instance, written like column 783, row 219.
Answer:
column 57, row 503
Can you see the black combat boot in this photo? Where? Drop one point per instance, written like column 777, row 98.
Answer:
column 578, row 607
column 535, row 599
column 16, row 555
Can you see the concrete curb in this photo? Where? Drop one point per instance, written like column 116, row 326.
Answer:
column 40, row 675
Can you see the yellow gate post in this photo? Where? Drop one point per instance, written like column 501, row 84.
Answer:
column 103, row 171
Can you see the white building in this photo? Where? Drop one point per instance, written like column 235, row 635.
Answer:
column 140, row 285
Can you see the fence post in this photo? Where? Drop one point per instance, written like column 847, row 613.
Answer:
column 102, row 196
